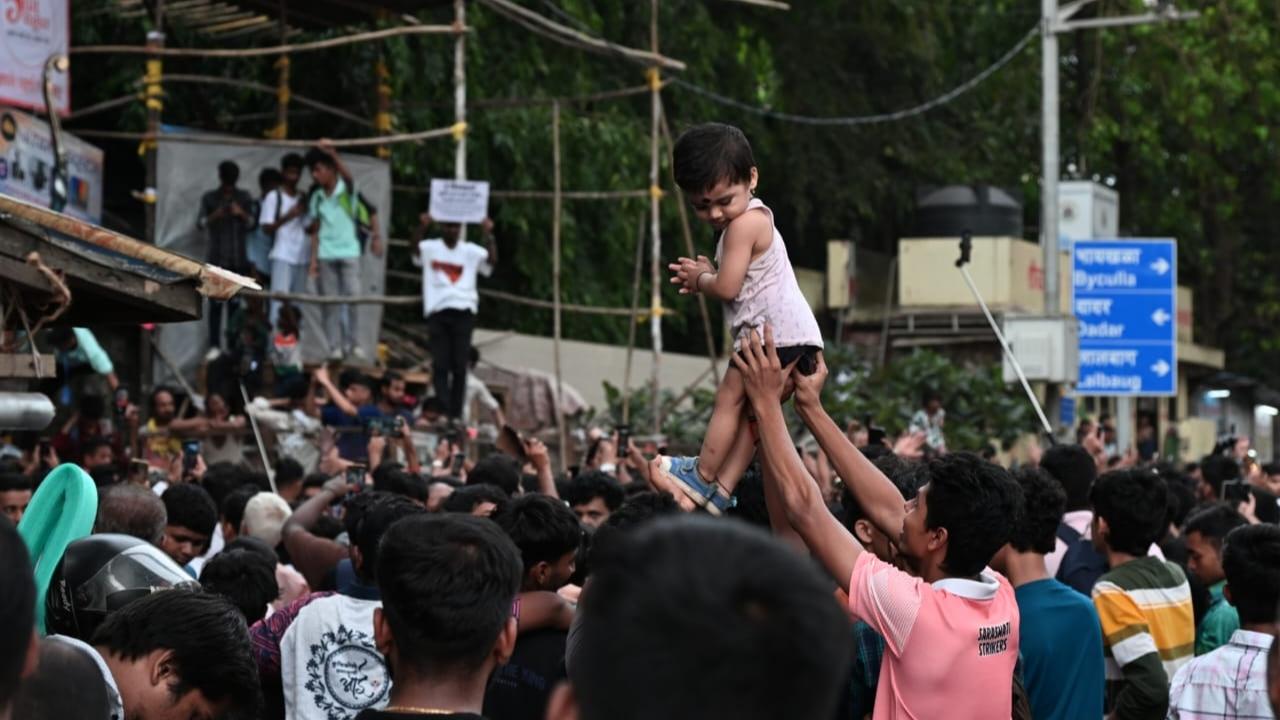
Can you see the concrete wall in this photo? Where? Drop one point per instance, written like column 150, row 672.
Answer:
column 587, row 366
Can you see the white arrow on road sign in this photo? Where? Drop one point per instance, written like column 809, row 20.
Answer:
column 1161, row 368
column 1160, row 317
column 1161, row 266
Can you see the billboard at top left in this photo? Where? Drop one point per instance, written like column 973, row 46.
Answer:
column 31, row 31
column 27, row 161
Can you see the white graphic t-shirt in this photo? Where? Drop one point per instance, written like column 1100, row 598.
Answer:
column 329, row 665
column 449, row 275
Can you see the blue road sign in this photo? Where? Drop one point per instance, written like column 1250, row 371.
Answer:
column 1126, row 301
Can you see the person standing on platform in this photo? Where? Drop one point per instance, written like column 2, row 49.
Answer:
column 226, row 217
column 450, row 301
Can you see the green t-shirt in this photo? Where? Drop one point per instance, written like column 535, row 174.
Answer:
column 1220, row 621
column 337, row 234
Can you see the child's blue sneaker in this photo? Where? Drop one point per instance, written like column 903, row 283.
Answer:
column 683, row 472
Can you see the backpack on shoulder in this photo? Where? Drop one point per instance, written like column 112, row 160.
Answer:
column 1082, row 564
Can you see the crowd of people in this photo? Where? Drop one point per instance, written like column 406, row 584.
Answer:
column 358, row 576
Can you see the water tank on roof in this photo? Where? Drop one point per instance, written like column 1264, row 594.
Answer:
column 950, row 210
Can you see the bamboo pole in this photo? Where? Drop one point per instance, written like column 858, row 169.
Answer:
column 460, row 90
column 637, row 273
column 153, row 93
column 276, row 50
column 259, row 87
column 689, row 248
column 555, row 286
column 281, row 130
column 211, row 139
column 655, row 229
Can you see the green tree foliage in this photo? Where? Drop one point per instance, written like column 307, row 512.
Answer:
column 1181, row 115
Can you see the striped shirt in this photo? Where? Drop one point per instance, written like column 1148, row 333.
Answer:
column 1230, row 682
column 1149, row 633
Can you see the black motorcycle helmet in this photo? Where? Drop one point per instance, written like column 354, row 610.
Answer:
column 99, row 574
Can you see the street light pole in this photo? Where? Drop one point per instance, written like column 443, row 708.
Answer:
column 1049, row 153
column 1055, row 20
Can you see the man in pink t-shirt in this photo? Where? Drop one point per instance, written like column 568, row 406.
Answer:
column 951, row 625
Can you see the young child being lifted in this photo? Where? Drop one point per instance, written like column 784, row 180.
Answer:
column 715, row 167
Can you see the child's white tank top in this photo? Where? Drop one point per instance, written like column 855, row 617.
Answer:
column 770, row 294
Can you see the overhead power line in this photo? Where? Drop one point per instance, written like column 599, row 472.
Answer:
column 865, row 119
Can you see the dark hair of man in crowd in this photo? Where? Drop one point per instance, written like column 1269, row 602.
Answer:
column 706, row 155
column 498, row 470
column 156, row 392
column 10, row 481
column 1214, row 522
column 269, row 179
column 291, row 160
column 447, row 584
column 1217, row 470
column 314, row 480
column 1182, row 498
column 778, row 645
column 90, row 446
column 228, row 172
column 288, row 472
column 253, row 545
column 205, row 633
column 190, row 506
column 907, row 477
column 1043, row 501
column 220, row 479
column 544, row 529
column 316, row 156
column 639, row 510
column 234, row 504
column 387, row 378
column 468, row 497
column 378, row 518
column 1251, row 561
column 977, row 502
column 17, row 611
column 594, row 484
column 105, row 475
column 1075, row 469
column 67, row 684
column 128, row 509
column 1135, row 504
column 401, row 482
column 245, row 578
column 351, row 376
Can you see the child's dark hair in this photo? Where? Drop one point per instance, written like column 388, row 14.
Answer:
column 710, row 153
column 290, row 317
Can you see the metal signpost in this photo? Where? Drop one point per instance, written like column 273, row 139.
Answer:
column 1126, row 302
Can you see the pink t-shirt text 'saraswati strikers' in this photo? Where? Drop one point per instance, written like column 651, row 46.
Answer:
column 950, row 646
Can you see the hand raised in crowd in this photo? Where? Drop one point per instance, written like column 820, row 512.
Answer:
column 909, row 445
column 765, row 378
column 425, row 220
column 537, row 452
column 809, row 387
column 686, row 272
column 326, row 145
column 338, row 486
column 486, row 226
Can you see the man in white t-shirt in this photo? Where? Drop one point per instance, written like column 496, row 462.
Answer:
column 284, row 216
column 450, row 301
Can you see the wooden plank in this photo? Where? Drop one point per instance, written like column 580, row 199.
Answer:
column 101, row 293
column 23, row 365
